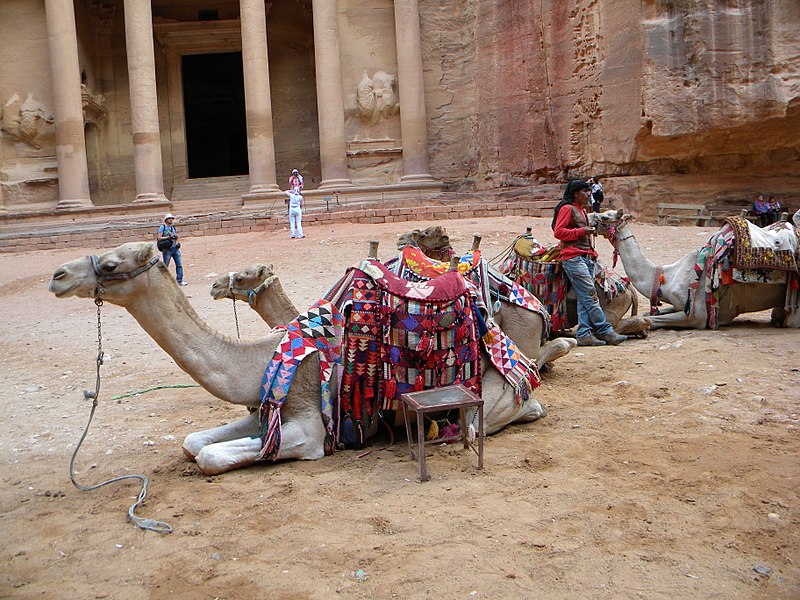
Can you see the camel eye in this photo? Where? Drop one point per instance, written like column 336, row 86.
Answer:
column 238, row 279
column 109, row 267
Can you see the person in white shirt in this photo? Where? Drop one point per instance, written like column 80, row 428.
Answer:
column 295, row 202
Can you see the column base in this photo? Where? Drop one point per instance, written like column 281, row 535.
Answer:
column 418, row 178
column 151, row 197
column 335, row 184
column 262, row 188
column 74, row 203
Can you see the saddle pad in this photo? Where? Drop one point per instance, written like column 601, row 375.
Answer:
column 317, row 330
column 757, row 248
column 414, row 260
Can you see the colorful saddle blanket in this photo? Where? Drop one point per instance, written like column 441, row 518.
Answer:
column 430, row 335
column 317, row 330
column 757, row 248
column 484, row 284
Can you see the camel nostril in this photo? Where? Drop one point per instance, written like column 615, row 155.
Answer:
column 59, row 274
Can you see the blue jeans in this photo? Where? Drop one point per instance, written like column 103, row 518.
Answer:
column 175, row 253
column 580, row 271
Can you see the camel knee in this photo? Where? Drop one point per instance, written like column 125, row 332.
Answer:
column 194, row 443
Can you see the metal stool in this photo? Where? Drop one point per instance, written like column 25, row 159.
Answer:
column 440, row 400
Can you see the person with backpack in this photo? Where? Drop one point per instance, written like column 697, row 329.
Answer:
column 578, row 258
column 167, row 242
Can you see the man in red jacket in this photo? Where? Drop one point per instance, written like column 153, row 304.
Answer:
column 578, row 257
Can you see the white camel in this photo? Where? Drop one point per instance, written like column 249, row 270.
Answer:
column 133, row 277
column 676, row 280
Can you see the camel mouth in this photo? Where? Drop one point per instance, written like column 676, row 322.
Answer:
column 61, row 292
column 219, row 293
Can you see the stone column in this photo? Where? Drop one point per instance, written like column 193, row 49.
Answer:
column 144, row 101
column 413, row 125
column 258, row 102
column 330, row 104
column 73, row 171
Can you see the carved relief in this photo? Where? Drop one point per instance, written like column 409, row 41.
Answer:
column 27, row 121
column 376, row 97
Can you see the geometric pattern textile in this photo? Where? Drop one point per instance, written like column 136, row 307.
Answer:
column 517, row 368
column 317, row 330
column 430, row 336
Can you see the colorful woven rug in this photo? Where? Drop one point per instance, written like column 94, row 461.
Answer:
column 360, row 382
column 317, row 330
column 430, row 336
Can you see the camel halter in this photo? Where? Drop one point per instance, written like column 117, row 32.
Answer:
column 614, row 239
column 103, row 277
column 251, row 295
column 148, row 524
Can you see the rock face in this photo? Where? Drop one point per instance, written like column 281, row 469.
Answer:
column 667, row 101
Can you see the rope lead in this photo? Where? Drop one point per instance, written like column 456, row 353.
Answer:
column 143, row 523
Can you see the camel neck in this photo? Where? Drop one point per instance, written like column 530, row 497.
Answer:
column 638, row 267
column 274, row 306
column 227, row 368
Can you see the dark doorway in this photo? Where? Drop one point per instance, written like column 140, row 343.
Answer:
column 216, row 126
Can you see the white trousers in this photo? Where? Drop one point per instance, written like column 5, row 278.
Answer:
column 296, row 221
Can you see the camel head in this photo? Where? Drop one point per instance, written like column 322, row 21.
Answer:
column 609, row 222
column 433, row 241
column 111, row 276
column 236, row 286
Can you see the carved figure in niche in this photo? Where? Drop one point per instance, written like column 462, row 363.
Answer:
column 26, row 121
column 377, row 97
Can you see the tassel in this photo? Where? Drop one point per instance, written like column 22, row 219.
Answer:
column 488, row 338
column 390, row 388
column 497, row 306
column 471, row 435
column 433, row 431
column 419, row 383
column 425, row 344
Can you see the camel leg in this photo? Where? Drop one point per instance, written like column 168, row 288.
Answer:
column 678, row 319
column 222, row 456
column 500, row 406
column 214, row 459
column 244, row 427
column 632, row 326
column 555, row 349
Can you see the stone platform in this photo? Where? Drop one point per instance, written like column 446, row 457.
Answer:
column 107, row 227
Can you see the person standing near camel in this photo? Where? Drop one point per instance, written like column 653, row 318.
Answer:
column 578, row 257
column 167, row 242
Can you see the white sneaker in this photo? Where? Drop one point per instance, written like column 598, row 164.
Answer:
column 183, row 283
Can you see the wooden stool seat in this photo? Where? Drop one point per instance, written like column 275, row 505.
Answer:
column 440, row 400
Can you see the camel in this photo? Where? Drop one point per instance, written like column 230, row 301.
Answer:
column 260, row 287
column 678, row 277
column 435, row 243
column 133, row 277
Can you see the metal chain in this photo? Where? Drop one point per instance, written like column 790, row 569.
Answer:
column 149, row 524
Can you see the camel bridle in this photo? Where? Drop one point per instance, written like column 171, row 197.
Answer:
column 251, row 295
column 125, row 275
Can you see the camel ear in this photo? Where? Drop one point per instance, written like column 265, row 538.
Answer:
column 145, row 253
column 269, row 270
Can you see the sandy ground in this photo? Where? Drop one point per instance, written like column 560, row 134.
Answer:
column 666, row 468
